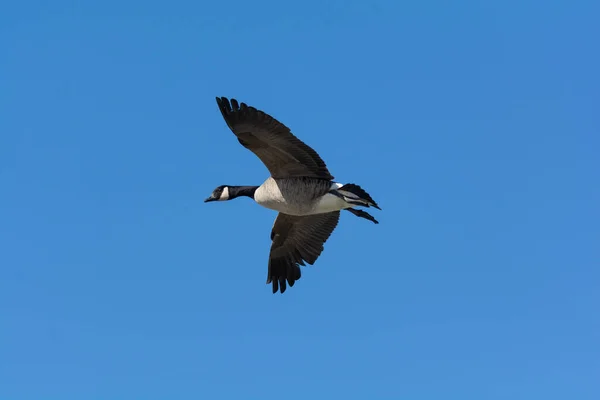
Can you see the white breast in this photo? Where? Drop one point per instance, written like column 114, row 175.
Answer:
column 269, row 196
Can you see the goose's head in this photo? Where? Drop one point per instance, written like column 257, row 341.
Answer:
column 227, row 192
column 221, row 193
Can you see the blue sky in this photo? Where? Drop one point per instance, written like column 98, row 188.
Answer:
column 474, row 125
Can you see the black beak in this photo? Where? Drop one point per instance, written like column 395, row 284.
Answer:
column 209, row 199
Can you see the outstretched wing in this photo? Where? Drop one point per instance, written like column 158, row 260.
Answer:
column 297, row 239
column 284, row 155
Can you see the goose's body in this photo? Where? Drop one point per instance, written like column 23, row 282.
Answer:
column 300, row 188
column 299, row 196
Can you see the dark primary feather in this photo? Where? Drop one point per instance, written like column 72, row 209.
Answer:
column 283, row 154
column 296, row 240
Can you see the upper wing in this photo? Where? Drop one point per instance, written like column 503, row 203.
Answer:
column 284, row 155
column 296, row 240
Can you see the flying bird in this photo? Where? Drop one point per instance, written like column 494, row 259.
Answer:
column 300, row 188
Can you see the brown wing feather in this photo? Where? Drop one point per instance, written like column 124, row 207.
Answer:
column 284, row 155
column 296, row 240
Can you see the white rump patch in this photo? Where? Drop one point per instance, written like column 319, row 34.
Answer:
column 330, row 203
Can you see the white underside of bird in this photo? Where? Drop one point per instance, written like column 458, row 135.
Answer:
column 269, row 196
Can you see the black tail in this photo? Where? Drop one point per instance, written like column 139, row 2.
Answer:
column 362, row 198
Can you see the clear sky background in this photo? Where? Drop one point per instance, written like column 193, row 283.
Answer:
column 475, row 125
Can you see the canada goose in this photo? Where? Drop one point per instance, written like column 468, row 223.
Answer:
column 300, row 188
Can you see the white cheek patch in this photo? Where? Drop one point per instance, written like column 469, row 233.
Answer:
column 224, row 194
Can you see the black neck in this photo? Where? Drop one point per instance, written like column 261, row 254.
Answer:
column 237, row 191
